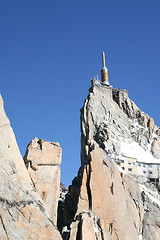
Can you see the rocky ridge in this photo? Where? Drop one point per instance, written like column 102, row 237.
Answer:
column 103, row 202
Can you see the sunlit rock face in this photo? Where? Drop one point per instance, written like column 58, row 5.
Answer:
column 103, row 201
column 22, row 212
column 43, row 161
column 110, row 121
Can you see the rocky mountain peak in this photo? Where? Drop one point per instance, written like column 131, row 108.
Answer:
column 109, row 117
column 115, row 195
column 105, row 197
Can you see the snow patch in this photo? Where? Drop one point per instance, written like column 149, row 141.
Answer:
column 154, row 196
column 135, row 151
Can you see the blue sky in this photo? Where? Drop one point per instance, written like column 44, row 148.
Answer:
column 51, row 49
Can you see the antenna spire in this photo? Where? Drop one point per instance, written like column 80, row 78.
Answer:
column 103, row 59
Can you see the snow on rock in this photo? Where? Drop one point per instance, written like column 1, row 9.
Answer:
column 140, row 237
column 134, row 150
column 154, row 196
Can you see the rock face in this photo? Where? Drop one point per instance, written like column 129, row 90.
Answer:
column 22, row 212
column 103, row 202
column 109, row 123
column 43, row 161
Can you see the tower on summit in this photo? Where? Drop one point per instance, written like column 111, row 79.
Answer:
column 104, row 71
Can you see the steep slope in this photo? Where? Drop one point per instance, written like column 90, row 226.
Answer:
column 105, row 203
column 22, row 212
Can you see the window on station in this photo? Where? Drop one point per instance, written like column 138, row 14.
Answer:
column 130, row 169
column 139, row 164
column 133, row 163
column 122, row 161
column 144, row 165
column 144, row 172
column 123, row 168
column 150, row 172
column 150, row 165
column 129, row 162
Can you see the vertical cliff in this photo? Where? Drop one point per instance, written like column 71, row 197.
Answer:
column 105, row 203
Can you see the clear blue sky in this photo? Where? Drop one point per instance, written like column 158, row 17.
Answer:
column 51, row 49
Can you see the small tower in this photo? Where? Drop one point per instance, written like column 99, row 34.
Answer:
column 104, row 71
